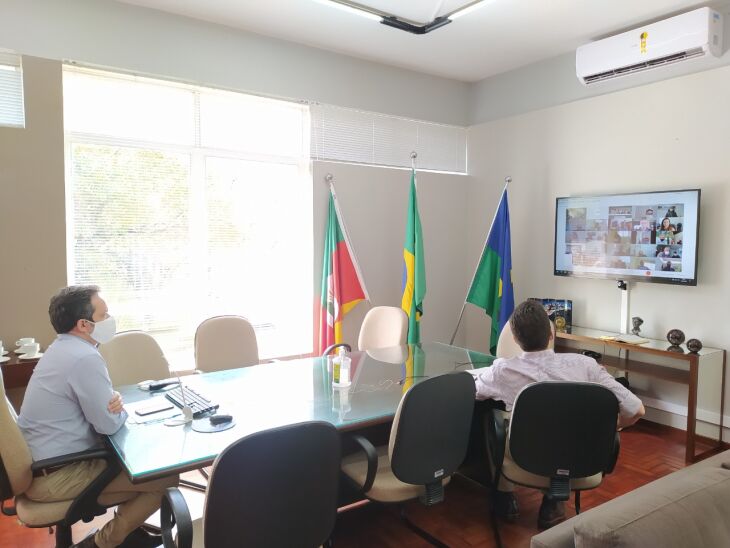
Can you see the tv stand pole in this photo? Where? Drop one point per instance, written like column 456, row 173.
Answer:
column 624, row 323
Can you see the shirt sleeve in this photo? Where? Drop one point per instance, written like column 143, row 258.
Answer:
column 628, row 404
column 487, row 384
column 93, row 388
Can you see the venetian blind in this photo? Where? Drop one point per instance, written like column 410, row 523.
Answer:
column 348, row 135
column 12, row 111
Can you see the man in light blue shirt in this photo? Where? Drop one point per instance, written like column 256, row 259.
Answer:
column 69, row 403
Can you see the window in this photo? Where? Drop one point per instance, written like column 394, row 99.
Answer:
column 348, row 135
column 187, row 202
column 12, row 112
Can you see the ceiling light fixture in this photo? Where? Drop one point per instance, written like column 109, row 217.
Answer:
column 400, row 23
column 354, row 9
column 465, row 10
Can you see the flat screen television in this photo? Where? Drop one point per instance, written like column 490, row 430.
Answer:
column 647, row 236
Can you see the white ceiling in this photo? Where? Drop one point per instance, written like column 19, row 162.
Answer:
column 499, row 36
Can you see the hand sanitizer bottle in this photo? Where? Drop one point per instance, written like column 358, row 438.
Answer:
column 341, row 369
column 336, row 366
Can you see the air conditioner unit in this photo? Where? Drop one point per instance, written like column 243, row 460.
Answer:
column 691, row 35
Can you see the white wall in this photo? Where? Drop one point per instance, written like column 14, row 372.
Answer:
column 374, row 203
column 669, row 135
column 115, row 35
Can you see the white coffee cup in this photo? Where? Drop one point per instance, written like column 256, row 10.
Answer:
column 30, row 349
column 24, row 341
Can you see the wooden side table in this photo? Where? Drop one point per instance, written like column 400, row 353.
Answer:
column 679, row 367
column 17, row 372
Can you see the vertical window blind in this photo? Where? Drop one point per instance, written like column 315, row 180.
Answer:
column 12, row 112
column 347, row 135
column 188, row 202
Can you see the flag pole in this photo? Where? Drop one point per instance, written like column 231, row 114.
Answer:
column 414, row 155
column 507, row 181
column 330, row 180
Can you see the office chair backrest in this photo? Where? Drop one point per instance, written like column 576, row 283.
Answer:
column 430, row 432
column 383, row 326
column 225, row 342
column 134, row 356
column 507, row 346
column 276, row 488
column 563, row 429
column 15, row 457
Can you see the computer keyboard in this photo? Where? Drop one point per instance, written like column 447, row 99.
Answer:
column 199, row 403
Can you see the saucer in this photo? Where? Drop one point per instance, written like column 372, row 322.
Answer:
column 30, row 356
column 19, row 351
column 5, row 352
column 4, row 359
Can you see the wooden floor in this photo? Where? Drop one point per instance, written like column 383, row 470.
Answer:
column 648, row 451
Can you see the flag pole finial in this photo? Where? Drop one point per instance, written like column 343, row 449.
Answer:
column 329, row 178
column 507, row 180
column 414, row 155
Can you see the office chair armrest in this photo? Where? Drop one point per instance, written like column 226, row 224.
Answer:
column 331, row 347
column 372, row 456
column 614, row 456
column 174, row 511
column 86, row 505
column 90, row 454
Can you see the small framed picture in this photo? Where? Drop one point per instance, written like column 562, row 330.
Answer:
column 560, row 312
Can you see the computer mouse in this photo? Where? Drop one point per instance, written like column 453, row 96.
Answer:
column 220, row 419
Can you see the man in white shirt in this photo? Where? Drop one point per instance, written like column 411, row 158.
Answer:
column 506, row 377
column 69, row 404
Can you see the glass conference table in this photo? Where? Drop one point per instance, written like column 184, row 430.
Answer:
column 280, row 393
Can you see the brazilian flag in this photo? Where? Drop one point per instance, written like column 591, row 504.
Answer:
column 491, row 288
column 414, row 268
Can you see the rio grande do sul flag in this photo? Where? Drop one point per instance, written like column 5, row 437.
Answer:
column 342, row 289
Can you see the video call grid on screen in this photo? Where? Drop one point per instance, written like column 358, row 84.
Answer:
column 652, row 236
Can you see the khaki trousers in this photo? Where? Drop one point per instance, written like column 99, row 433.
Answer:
column 143, row 498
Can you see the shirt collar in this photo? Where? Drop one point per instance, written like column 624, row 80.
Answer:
column 70, row 337
column 539, row 353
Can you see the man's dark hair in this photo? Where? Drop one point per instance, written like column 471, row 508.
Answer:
column 70, row 305
column 531, row 326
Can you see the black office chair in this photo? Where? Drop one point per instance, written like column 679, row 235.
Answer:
column 428, row 442
column 276, row 488
column 562, row 437
column 16, row 475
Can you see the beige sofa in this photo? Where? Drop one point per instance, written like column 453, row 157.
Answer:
column 687, row 509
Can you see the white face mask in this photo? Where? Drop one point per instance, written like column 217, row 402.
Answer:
column 104, row 330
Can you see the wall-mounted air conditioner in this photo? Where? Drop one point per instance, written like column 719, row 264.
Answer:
column 691, row 35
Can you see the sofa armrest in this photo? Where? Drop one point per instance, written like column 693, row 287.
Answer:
column 559, row 536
